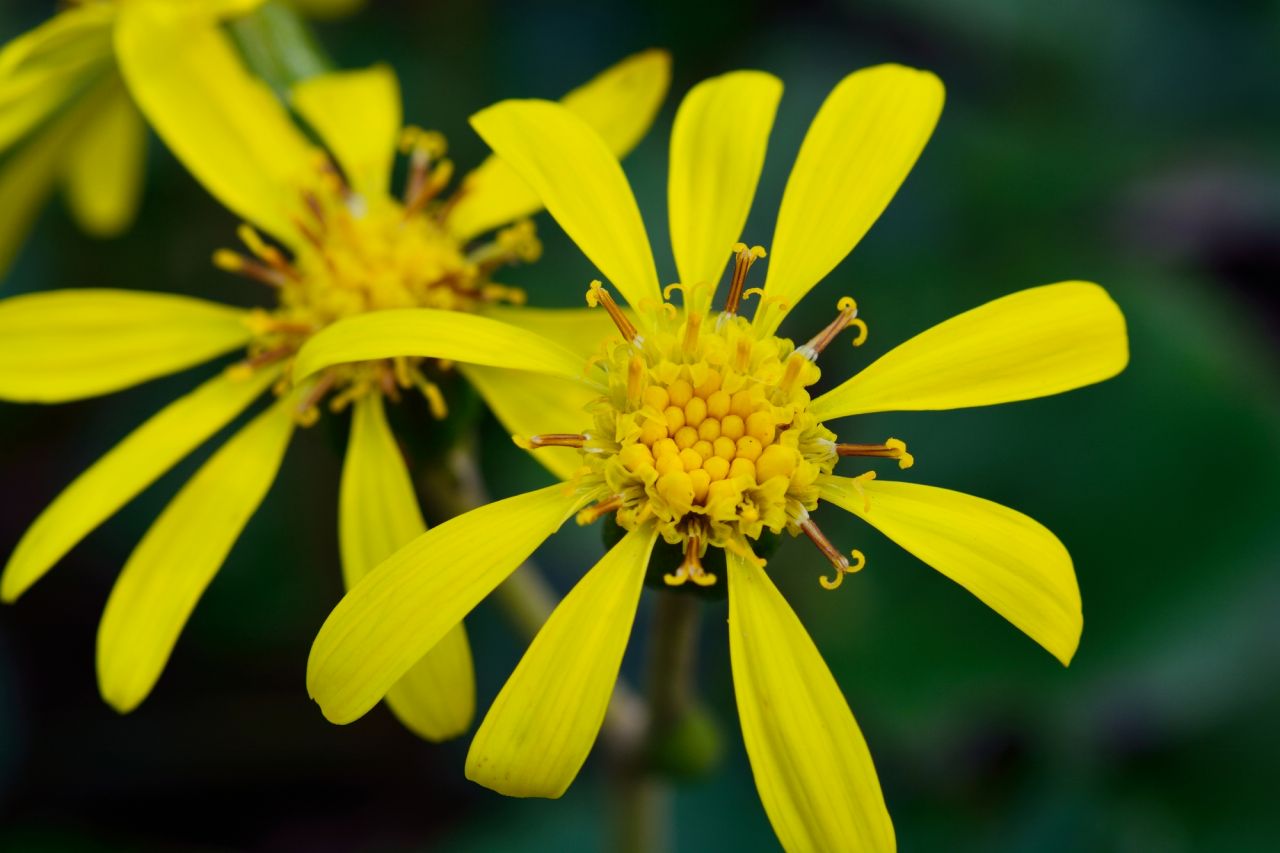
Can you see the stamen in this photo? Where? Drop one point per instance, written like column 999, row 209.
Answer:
column 245, row 369
column 693, row 325
column 743, row 259
column 307, row 412
column 597, row 295
column 429, row 187
column 233, row 262
column 847, row 317
column 838, row 560
column 552, row 439
column 691, row 569
column 635, row 381
column 893, row 448
column 423, row 147
column 592, row 513
column 517, row 242
column 435, row 397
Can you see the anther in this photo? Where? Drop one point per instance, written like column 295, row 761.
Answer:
column 554, row 439
column 691, row 568
column 423, row 147
column 743, row 259
column 693, row 325
column 892, row 449
column 635, row 381
column 434, row 396
column 249, row 365
column 233, row 262
column 838, row 560
column 847, row 317
column 308, row 412
column 597, row 296
column 592, row 513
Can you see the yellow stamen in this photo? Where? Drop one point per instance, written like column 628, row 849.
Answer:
column 435, row 397
column 691, row 569
column 838, row 560
column 557, row 439
column 597, row 296
column 892, row 449
column 592, row 513
column 847, row 317
column 742, row 262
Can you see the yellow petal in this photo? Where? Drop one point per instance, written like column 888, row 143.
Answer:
column 540, row 729
column 70, row 344
column 44, row 69
column 1009, row 561
column 717, row 150
column 127, row 469
column 357, row 116
column 582, row 185
column 440, row 334
column 619, row 104
column 811, row 765
column 377, row 515
column 179, row 555
column 103, row 170
column 225, row 125
column 406, row 605
column 1036, row 342
column 859, row 149
column 582, row 330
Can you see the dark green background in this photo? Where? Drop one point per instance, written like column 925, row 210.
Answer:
column 1134, row 144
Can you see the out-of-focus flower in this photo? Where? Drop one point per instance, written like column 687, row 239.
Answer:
column 704, row 433
column 324, row 10
column 66, row 116
column 350, row 246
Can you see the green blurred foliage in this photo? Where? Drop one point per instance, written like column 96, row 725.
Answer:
column 1132, row 144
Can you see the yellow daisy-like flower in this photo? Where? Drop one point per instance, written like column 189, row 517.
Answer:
column 704, row 433
column 349, row 246
column 67, row 117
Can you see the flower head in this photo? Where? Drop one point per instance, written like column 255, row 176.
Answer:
column 705, row 432
column 330, row 240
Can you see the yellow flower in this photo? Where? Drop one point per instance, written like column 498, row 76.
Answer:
column 67, row 118
column 349, row 246
column 704, row 433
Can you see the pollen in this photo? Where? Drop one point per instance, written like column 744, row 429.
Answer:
column 356, row 254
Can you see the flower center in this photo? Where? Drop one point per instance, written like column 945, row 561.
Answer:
column 357, row 254
column 705, row 428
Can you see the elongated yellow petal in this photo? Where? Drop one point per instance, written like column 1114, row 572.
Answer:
column 43, row 68
column 179, row 555
column 1032, row 343
column 27, row 178
column 440, row 334
column 128, row 468
column 717, row 150
column 406, row 605
column 377, row 515
column 582, row 330
column 1009, row 561
column 225, row 125
column 540, row 729
column 859, row 149
column 357, row 115
column 811, row 765
column 528, row 404
column 582, row 185
column 619, row 104
column 103, row 171
column 69, row 344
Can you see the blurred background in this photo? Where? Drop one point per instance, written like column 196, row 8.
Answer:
column 1134, row 144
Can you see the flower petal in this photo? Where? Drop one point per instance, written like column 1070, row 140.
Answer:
column 717, row 150
column 377, row 515
column 224, row 124
column 859, row 149
column 179, row 555
column 582, row 330
column 620, row 104
column 811, row 765
column 43, row 69
column 582, row 185
column 69, row 344
column 540, row 729
column 128, row 468
column 357, row 115
column 103, row 171
column 1033, row 343
column 1009, row 561
column 440, row 334
column 402, row 608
